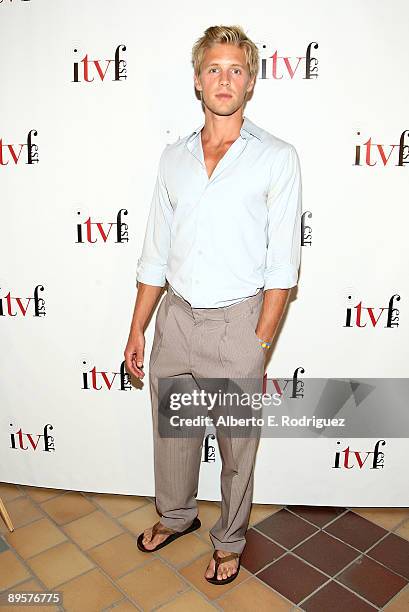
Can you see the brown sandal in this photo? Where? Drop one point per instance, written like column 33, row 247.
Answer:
column 219, row 561
column 159, row 528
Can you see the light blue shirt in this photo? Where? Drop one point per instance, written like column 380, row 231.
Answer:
column 219, row 240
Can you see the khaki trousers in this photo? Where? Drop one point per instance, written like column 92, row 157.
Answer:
column 201, row 343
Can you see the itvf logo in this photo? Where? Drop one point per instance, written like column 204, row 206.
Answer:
column 348, row 459
column 27, row 441
column 209, row 451
column 295, row 386
column 87, row 230
column 372, row 154
column 278, row 67
column 12, row 306
column 306, row 230
column 91, row 70
column 13, row 153
column 365, row 315
column 98, row 380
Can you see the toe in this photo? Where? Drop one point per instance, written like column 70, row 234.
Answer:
column 210, row 570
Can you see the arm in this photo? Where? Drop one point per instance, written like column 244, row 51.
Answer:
column 284, row 241
column 151, row 270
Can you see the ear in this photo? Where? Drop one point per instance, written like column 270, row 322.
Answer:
column 251, row 84
column 197, row 83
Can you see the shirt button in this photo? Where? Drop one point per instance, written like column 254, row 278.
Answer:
column 200, row 251
column 196, row 281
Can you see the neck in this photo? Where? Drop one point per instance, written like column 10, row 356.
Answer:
column 219, row 129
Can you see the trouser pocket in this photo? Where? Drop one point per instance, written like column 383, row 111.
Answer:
column 162, row 318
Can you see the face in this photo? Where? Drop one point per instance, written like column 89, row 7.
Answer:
column 224, row 79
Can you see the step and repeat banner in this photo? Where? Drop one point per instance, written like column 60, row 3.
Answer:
column 91, row 94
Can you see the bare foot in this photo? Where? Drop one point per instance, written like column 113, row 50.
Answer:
column 156, row 540
column 226, row 569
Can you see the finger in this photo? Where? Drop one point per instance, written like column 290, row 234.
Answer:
column 137, row 364
column 133, row 368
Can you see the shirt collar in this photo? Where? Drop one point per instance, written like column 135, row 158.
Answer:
column 247, row 130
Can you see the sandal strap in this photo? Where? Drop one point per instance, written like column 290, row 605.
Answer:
column 159, row 528
column 219, row 560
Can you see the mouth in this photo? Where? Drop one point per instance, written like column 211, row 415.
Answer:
column 224, row 96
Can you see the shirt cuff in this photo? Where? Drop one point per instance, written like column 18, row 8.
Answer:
column 280, row 276
column 151, row 274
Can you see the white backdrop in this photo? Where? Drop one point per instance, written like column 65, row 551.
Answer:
column 97, row 145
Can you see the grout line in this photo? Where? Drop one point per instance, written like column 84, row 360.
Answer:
column 333, row 578
column 176, row 570
column 32, row 575
column 388, row 603
column 84, row 552
column 361, row 554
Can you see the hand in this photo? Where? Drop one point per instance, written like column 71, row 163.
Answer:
column 134, row 354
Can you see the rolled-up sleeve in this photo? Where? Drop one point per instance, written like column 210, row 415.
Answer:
column 284, row 203
column 152, row 264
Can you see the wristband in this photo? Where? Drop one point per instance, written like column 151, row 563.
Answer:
column 264, row 343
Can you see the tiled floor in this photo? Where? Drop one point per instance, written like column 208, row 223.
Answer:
column 296, row 558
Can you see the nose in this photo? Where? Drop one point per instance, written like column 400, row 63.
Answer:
column 224, row 78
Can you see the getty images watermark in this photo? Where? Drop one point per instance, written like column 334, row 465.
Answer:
column 314, row 407
column 256, row 401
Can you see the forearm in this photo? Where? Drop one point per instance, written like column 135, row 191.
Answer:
column 274, row 304
column 146, row 299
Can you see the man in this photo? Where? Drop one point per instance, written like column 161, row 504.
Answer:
column 224, row 230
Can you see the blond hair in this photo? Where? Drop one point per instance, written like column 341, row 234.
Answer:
column 233, row 35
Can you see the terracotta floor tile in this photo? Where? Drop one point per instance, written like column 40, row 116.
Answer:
column 253, row 595
column 92, row 529
column 262, row 511
column 32, row 539
column 11, row 570
column 194, row 573
column 40, row 494
column 187, row 602
column 9, row 491
column 259, row 551
column 292, row 578
column 118, row 556
column 371, row 580
column 3, row 545
column 140, row 519
column 400, row 603
column 67, row 507
column 204, row 536
column 326, row 553
column 29, row 586
column 209, row 512
column 152, row 584
column 59, row 564
column 22, row 511
column 333, row 597
column 285, row 528
column 184, row 550
column 3, row 528
column 387, row 518
column 318, row 515
column 403, row 530
column 124, row 606
column 90, row 592
column 116, row 505
column 356, row 531
column 393, row 552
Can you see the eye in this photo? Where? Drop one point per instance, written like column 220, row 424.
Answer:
column 237, row 70
column 210, row 70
